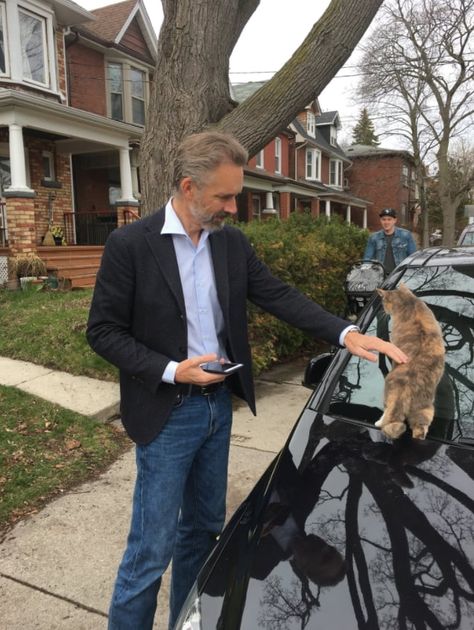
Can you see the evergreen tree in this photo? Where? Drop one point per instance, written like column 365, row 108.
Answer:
column 363, row 132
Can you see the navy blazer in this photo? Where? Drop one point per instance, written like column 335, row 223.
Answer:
column 137, row 319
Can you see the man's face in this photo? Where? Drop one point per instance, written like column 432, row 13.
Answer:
column 388, row 224
column 214, row 201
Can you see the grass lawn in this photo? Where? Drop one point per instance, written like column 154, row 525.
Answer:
column 48, row 328
column 46, row 450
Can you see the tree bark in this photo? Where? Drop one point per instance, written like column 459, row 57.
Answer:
column 191, row 84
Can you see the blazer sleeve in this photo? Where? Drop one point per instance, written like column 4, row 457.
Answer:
column 287, row 303
column 110, row 325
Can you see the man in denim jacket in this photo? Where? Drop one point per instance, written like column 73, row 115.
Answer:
column 391, row 244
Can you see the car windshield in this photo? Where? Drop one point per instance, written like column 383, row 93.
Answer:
column 449, row 291
column 468, row 238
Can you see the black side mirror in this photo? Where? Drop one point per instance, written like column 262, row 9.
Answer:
column 316, row 369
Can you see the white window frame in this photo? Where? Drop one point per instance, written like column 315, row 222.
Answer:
column 313, row 164
column 127, row 109
column 12, row 35
column 138, row 98
column 333, row 135
column 48, row 155
column 6, row 47
column 311, row 124
column 405, row 174
column 277, row 155
column 336, row 174
column 260, row 159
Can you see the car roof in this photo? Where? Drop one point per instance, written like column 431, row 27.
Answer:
column 440, row 256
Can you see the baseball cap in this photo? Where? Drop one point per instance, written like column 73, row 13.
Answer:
column 388, row 212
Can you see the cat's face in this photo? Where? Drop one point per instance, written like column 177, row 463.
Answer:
column 395, row 298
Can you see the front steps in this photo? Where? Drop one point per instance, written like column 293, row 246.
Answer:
column 76, row 264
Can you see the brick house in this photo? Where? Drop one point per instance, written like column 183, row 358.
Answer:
column 388, row 178
column 300, row 170
column 74, row 87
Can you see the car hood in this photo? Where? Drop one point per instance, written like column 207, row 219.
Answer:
column 349, row 531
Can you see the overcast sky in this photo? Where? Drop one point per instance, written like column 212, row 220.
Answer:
column 272, row 34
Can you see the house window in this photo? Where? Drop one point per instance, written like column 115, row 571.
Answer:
column 256, row 207
column 405, row 175
column 3, row 41
column 127, row 90
column 33, row 47
column 138, row 95
column 48, row 166
column 335, row 173
column 333, row 135
column 115, row 77
column 277, row 155
column 259, row 159
column 311, row 124
column 313, row 164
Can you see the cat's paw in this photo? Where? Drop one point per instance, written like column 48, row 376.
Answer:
column 419, row 431
column 379, row 423
column 394, row 430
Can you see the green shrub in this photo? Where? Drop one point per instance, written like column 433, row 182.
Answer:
column 311, row 254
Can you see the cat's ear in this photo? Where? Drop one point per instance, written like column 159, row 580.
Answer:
column 381, row 292
column 403, row 287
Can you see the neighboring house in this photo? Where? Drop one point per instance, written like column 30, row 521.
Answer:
column 74, row 87
column 301, row 170
column 388, row 178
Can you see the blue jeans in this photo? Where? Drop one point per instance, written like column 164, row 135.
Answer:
column 178, row 509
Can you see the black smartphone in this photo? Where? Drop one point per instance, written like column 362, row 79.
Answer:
column 215, row 367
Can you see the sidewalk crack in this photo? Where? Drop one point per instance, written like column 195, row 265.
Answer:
column 55, row 595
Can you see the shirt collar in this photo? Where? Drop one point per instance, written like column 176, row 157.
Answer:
column 173, row 225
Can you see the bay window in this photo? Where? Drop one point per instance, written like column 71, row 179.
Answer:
column 127, row 92
column 27, row 45
column 335, row 173
column 313, row 164
column 33, row 47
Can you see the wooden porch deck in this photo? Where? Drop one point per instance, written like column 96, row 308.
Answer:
column 76, row 263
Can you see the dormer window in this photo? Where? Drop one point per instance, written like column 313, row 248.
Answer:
column 311, row 124
column 333, row 135
column 277, row 155
column 259, row 161
column 127, row 92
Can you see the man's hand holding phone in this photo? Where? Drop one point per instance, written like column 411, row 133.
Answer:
column 192, row 370
column 221, row 367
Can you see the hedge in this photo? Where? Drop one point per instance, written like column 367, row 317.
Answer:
column 312, row 254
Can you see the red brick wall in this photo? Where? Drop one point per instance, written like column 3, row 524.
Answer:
column 61, row 69
column 379, row 180
column 87, row 88
column 61, row 198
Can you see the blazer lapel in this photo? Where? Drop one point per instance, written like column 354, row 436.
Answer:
column 162, row 248
column 218, row 243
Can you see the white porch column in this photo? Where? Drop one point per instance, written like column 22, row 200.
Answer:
column 327, row 208
column 17, row 160
column 348, row 214
column 126, row 177
column 364, row 219
column 269, row 201
column 269, row 209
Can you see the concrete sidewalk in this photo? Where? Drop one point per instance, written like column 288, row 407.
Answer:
column 57, row 568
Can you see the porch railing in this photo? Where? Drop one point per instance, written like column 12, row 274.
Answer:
column 3, row 225
column 89, row 228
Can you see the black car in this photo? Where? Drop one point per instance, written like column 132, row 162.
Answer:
column 467, row 235
column 346, row 529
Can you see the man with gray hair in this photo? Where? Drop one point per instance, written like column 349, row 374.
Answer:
column 171, row 294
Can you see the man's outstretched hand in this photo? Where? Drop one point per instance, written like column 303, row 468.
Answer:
column 366, row 346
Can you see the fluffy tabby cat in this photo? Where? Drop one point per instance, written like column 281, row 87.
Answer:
column 410, row 388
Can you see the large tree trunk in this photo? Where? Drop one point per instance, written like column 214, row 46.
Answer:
column 191, row 85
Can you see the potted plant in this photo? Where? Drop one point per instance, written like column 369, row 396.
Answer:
column 27, row 268
column 58, row 234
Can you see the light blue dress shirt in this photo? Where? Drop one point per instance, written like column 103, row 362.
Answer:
column 205, row 321
column 204, row 317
